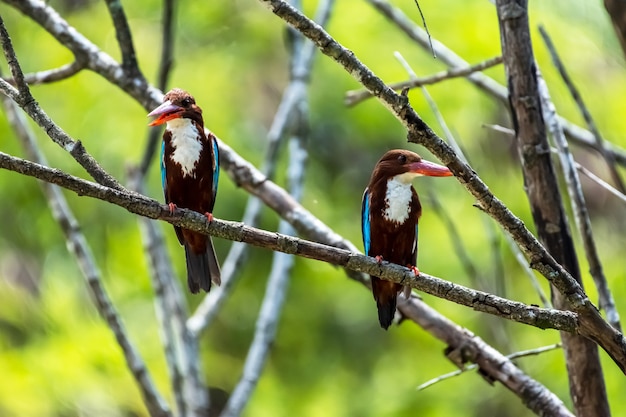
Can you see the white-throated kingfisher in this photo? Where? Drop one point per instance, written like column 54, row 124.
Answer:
column 189, row 174
column 389, row 215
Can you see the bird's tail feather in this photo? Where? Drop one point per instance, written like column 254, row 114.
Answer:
column 386, row 295
column 202, row 268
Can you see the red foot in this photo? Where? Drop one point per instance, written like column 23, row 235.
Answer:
column 172, row 207
column 209, row 216
column 414, row 269
column 379, row 259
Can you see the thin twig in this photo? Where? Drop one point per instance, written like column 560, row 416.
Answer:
column 56, row 74
column 591, row 125
column 79, row 247
column 354, row 97
column 593, row 177
column 512, row 356
column 579, row 206
column 124, row 37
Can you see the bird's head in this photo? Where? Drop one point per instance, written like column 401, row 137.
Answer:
column 177, row 104
column 406, row 165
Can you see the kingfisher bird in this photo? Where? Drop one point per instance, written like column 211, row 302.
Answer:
column 389, row 215
column 189, row 175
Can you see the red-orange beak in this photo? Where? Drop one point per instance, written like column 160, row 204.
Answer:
column 430, row 169
column 165, row 112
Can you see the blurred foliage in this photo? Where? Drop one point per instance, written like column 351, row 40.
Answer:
column 57, row 358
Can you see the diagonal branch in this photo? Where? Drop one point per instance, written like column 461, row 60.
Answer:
column 124, row 37
column 354, row 97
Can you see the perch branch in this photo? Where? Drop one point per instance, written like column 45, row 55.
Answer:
column 144, row 206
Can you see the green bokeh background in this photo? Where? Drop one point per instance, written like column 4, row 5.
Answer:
column 330, row 357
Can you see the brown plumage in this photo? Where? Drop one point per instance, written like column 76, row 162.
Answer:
column 190, row 170
column 390, row 214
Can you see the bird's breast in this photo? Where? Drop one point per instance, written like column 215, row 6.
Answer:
column 186, row 146
column 398, row 197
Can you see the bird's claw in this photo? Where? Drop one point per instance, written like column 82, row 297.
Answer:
column 379, row 259
column 209, row 216
column 414, row 269
column 172, row 207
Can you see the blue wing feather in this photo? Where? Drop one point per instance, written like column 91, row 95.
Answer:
column 366, row 229
column 163, row 184
column 216, row 165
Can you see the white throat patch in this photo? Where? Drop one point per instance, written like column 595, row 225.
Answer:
column 186, row 144
column 398, row 197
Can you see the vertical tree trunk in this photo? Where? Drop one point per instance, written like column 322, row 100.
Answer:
column 617, row 11
column 586, row 380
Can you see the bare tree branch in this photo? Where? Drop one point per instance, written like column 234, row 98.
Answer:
column 516, row 355
column 124, row 37
column 56, row 74
column 354, row 97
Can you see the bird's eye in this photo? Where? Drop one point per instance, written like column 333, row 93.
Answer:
column 402, row 158
column 186, row 102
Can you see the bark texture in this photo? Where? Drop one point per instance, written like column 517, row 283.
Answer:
column 586, row 381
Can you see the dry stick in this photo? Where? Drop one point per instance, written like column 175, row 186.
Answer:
column 593, row 177
column 480, row 80
column 135, row 203
column 594, row 327
column 78, row 246
column 56, row 74
column 124, row 37
column 354, row 97
column 579, row 206
column 591, row 125
column 586, row 382
column 516, row 355
column 467, row 347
